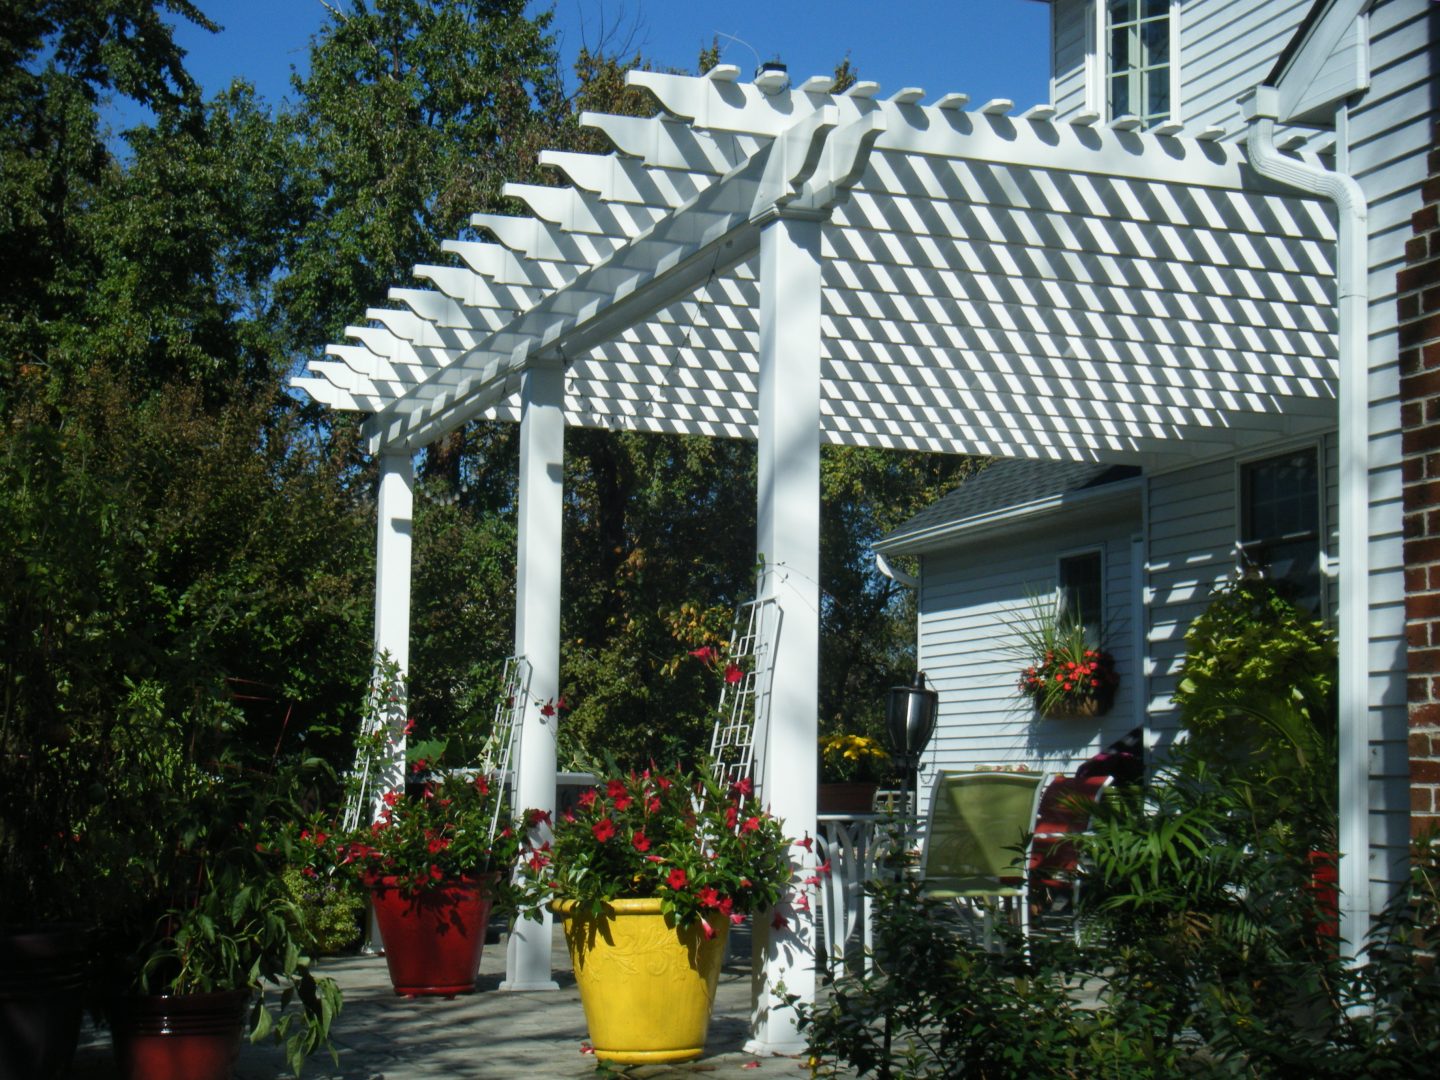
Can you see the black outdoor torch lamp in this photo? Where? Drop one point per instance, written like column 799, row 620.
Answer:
column 910, row 721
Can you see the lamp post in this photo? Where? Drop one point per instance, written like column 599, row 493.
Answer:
column 910, row 721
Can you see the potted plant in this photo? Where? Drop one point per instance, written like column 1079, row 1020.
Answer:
column 1066, row 674
column 851, row 768
column 434, row 861
column 212, row 932
column 649, row 871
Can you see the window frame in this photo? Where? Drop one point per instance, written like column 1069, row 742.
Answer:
column 1243, row 465
column 1098, row 58
column 1085, row 551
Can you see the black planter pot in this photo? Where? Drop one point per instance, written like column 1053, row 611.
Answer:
column 42, row 980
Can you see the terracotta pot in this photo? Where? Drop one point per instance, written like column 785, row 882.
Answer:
column 647, row 987
column 42, row 979
column 433, row 937
column 179, row 1036
column 846, row 797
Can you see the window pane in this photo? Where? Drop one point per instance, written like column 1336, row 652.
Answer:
column 1120, row 58
column 1280, row 522
column 1155, row 42
column 1081, row 593
column 1119, row 95
column 1124, row 10
column 1157, row 97
column 1152, row 9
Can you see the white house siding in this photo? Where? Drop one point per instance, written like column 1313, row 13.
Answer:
column 964, row 630
column 1068, row 37
column 1388, row 139
column 1225, row 49
column 1193, row 523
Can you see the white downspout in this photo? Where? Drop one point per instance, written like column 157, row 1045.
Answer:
column 1261, row 108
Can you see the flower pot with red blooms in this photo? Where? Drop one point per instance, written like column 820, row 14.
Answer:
column 433, row 935
column 648, row 872
column 1066, row 676
column 435, row 861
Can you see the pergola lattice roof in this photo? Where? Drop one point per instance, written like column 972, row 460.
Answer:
column 991, row 284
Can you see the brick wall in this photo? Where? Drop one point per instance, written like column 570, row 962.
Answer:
column 1419, row 311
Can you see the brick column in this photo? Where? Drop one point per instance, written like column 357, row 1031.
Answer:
column 1419, row 339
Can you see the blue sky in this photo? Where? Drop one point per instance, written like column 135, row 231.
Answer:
column 985, row 48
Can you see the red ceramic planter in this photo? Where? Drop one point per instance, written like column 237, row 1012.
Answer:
column 42, row 975
column 433, row 937
column 179, row 1037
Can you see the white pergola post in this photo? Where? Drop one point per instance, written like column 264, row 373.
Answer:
column 393, row 536
column 788, row 540
column 537, row 634
column 394, row 530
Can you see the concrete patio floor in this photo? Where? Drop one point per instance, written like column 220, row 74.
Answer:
column 488, row 1034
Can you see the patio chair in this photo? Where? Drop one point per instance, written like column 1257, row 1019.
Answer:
column 1066, row 804
column 975, row 839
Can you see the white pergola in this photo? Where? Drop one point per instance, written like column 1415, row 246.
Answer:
column 797, row 266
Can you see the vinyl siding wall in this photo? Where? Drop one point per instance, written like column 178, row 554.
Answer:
column 1193, row 518
column 965, row 638
column 1389, row 135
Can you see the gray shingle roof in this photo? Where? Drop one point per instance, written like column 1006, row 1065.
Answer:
column 1007, row 483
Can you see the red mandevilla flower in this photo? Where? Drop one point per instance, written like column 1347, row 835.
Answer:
column 588, row 797
column 640, row 842
column 603, row 829
column 677, row 879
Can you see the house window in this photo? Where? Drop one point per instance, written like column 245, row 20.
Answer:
column 1082, row 592
column 1280, row 522
column 1137, row 69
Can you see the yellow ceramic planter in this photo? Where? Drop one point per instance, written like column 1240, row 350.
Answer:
column 647, row 987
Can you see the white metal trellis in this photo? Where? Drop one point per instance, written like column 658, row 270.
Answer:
column 500, row 756
column 387, row 705
column 744, row 710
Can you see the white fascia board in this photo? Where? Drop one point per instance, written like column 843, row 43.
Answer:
column 1086, row 500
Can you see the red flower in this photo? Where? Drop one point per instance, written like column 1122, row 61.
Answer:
column 653, row 858
column 705, row 653
column 438, row 845
column 751, row 824
column 708, row 897
column 482, row 785
column 587, row 797
column 743, row 786
column 435, row 874
column 808, row 843
column 706, row 928
column 409, row 728
column 390, row 798
column 779, row 922
column 733, row 674
column 802, row 903
column 652, row 806
column 568, row 815
column 677, row 879
column 615, row 788
column 548, row 709
column 664, row 783
column 640, row 842
column 823, row 868
column 603, row 829
column 419, row 766
column 732, row 815
column 538, row 817
column 725, row 905
column 623, row 802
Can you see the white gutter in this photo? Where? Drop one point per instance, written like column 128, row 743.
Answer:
column 1261, row 108
column 909, row 581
